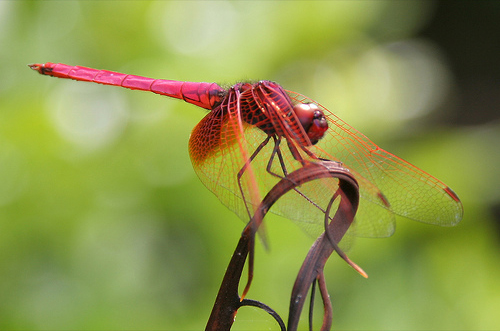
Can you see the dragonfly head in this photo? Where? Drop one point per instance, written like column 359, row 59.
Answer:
column 312, row 119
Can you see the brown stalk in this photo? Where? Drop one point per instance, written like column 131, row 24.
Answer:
column 228, row 300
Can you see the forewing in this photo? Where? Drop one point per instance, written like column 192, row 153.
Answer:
column 386, row 181
column 219, row 152
column 217, row 148
column 222, row 150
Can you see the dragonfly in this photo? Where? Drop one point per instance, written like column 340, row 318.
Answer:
column 255, row 133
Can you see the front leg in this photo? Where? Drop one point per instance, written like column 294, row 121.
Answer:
column 245, row 167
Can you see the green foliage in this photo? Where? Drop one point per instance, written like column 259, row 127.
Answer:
column 104, row 225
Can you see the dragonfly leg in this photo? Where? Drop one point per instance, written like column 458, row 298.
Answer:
column 244, row 168
column 298, row 157
column 277, row 151
column 250, row 227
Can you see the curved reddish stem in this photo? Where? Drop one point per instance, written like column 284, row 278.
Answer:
column 312, row 268
column 228, row 300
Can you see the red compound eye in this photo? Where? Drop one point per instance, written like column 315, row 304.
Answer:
column 312, row 120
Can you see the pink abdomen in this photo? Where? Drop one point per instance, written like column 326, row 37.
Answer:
column 204, row 95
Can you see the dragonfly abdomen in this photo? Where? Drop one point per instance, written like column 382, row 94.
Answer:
column 205, row 95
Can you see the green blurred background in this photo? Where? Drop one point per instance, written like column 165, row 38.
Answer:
column 104, row 225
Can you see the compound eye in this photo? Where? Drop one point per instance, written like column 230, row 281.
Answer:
column 312, row 120
column 305, row 113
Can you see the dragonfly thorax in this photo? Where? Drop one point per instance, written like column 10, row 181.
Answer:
column 266, row 105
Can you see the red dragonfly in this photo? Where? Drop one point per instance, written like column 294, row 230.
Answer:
column 257, row 133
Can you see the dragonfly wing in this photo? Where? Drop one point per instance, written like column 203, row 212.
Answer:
column 386, row 181
column 216, row 146
column 221, row 145
column 220, row 155
column 222, row 150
